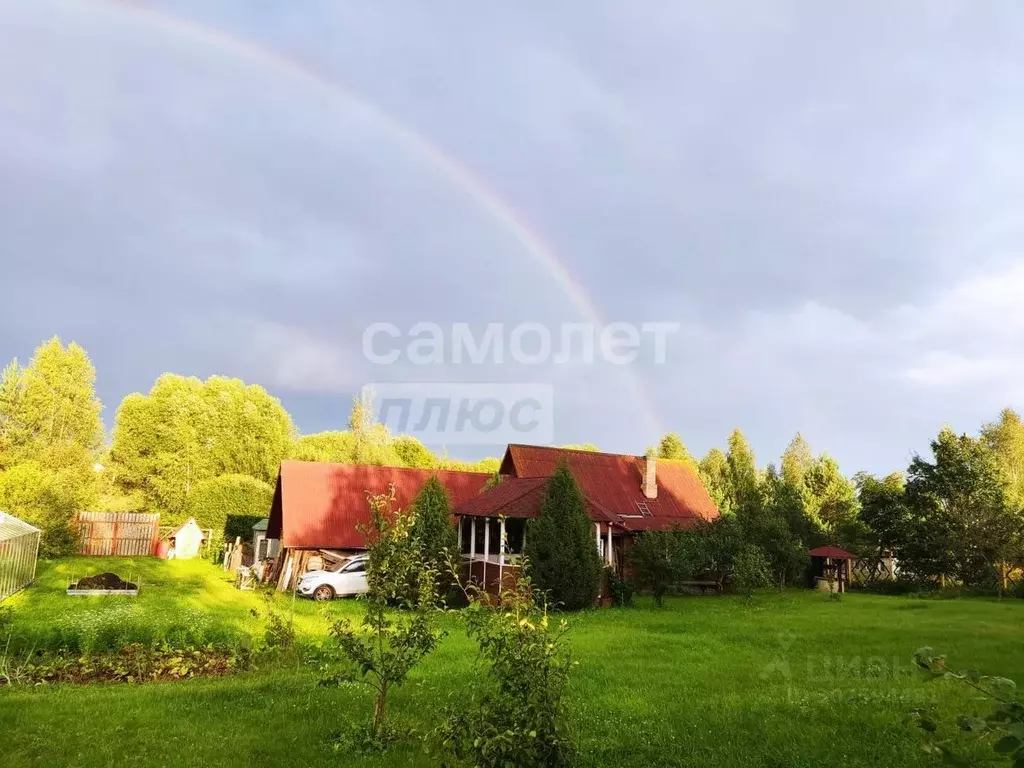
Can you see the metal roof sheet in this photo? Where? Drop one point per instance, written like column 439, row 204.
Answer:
column 322, row 505
column 610, row 484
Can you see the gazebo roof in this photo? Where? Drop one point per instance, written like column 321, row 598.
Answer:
column 833, row 552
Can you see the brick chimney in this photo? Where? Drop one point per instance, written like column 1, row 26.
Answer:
column 650, row 483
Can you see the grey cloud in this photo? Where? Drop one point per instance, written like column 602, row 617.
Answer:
column 825, row 198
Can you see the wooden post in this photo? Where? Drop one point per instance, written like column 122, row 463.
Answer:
column 472, row 542
column 597, row 536
column 487, row 547
column 501, row 546
column 501, row 552
column 608, row 548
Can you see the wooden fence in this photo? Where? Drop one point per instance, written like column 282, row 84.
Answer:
column 123, row 534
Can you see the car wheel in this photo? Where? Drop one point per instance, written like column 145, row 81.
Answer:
column 323, row 593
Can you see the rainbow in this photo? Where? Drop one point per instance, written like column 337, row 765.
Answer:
column 488, row 200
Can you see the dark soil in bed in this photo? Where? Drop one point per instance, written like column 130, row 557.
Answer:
column 103, row 581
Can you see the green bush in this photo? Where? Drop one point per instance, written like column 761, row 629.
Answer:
column 750, row 570
column 560, row 546
column 658, row 561
column 230, row 505
column 42, row 498
column 621, row 590
column 519, row 714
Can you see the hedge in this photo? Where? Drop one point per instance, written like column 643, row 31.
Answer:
column 231, row 505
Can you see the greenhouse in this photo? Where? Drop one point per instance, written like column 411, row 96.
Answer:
column 19, row 547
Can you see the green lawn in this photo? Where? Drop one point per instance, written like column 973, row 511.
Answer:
column 182, row 601
column 783, row 680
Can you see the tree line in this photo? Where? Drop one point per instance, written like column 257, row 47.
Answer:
column 210, row 449
column 956, row 514
column 187, row 448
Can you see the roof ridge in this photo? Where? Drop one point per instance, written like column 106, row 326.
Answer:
column 358, row 465
column 581, row 451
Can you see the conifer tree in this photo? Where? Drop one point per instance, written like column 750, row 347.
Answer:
column 560, row 546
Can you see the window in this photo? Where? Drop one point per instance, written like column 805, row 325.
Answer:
column 357, row 567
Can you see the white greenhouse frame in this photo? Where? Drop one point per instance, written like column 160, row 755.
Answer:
column 19, row 550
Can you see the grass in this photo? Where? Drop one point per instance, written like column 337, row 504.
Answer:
column 788, row 679
column 186, row 602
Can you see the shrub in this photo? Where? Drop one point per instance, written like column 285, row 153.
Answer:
column 560, row 546
column 230, row 505
column 519, row 718
column 133, row 663
column 657, row 561
column 750, row 570
column 621, row 590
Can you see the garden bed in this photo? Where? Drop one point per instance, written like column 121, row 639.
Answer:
column 103, row 584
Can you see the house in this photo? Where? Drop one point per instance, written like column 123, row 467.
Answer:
column 624, row 495
column 319, row 509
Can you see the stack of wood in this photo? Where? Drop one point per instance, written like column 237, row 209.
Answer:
column 292, row 563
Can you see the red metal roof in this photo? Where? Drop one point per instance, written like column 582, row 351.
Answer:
column 512, row 497
column 834, row 552
column 610, row 484
column 320, row 505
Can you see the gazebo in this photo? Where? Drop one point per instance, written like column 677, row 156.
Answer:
column 830, row 568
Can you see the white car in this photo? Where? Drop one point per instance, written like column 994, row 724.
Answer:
column 349, row 579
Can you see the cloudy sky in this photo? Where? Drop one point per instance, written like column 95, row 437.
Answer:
column 828, row 198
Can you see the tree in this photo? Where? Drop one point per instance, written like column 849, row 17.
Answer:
column 658, row 561
column 589, row 447
column 715, row 474
column 186, row 431
column 743, row 478
column 412, row 453
column 671, row 448
column 372, row 440
column 58, row 400
column 1005, row 439
column 162, row 443
column 50, row 438
column 883, row 509
column 13, row 426
column 387, row 647
column 789, row 501
column 785, row 552
column 338, row 447
column 832, row 498
column 38, row 496
column 961, row 525
column 560, row 546
column 797, row 460
column 432, row 530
